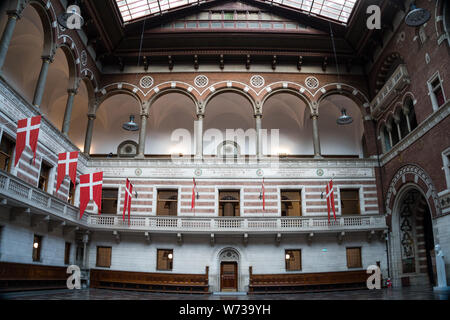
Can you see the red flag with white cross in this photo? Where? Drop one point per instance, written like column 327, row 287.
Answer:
column 127, row 203
column 27, row 135
column 67, row 166
column 330, row 200
column 91, row 189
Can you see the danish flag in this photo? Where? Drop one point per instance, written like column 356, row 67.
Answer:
column 330, row 200
column 194, row 189
column 27, row 135
column 67, row 166
column 128, row 196
column 263, row 196
column 91, row 189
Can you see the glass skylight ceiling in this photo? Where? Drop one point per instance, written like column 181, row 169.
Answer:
column 134, row 9
column 337, row 10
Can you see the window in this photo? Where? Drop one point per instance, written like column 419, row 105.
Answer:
column 354, row 257
column 164, row 259
column 228, row 15
column 71, row 196
column 403, row 124
column 387, row 141
column 411, row 114
column 291, row 203
column 37, row 245
column 104, row 257
column 394, row 133
column 109, row 200
column 349, row 201
column 6, row 153
column 229, row 203
column 436, row 92
column 446, row 162
column 44, row 176
column 167, row 203
column 293, row 260
column 67, row 253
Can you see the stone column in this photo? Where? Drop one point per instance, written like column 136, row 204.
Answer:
column 316, row 138
column 397, row 124
column 258, row 125
column 199, row 136
column 89, row 131
column 142, row 134
column 13, row 16
column 406, row 113
column 389, row 129
column 85, row 255
column 40, row 86
column 68, row 112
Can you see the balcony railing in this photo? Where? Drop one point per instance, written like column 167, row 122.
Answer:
column 238, row 224
column 22, row 194
column 395, row 83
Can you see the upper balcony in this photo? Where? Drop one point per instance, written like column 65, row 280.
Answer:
column 22, row 197
column 398, row 80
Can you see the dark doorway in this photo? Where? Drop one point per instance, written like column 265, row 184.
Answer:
column 228, row 276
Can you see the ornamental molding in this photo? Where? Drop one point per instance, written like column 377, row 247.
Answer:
column 418, row 173
column 425, row 126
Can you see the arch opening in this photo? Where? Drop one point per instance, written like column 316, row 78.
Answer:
column 340, row 140
column 412, row 240
column 108, row 133
column 170, row 128
column 229, row 117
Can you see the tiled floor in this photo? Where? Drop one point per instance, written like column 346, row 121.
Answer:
column 100, row 294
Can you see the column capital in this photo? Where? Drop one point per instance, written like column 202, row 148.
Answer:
column 91, row 116
column 144, row 114
column 314, row 114
column 258, row 115
column 200, row 116
column 72, row 91
column 14, row 14
column 48, row 59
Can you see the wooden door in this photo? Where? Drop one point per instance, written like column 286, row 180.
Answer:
column 228, row 276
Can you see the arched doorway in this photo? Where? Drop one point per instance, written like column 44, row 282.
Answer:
column 412, row 239
column 229, row 270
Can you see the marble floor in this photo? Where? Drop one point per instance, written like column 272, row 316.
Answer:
column 101, row 294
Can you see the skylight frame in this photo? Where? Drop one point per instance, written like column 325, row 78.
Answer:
column 339, row 11
column 131, row 10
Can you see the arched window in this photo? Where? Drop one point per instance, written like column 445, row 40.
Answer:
column 394, row 132
column 403, row 124
column 411, row 114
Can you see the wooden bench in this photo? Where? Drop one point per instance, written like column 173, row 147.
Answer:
column 22, row 277
column 306, row 282
column 153, row 282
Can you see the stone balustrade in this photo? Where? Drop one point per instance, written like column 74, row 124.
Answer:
column 16, row 193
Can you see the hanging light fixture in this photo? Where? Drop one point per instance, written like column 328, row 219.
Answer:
column 131, row 125
column 417, row 16
column 344, row 118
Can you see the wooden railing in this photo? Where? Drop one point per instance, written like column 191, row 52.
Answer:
column 299, row 282
column 158, row 282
